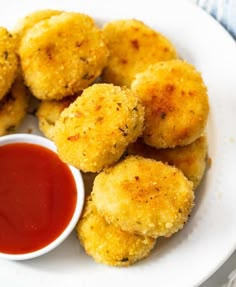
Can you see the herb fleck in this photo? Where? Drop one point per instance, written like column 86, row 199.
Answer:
column 124, row 132
column 87, row 76
column 125, row 259
column 5, row 55
column 83, row 59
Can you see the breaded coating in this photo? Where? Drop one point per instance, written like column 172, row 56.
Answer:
column 27, row 22
column 176, row 103
column 95, row 130
column 144, row 196
column 108, row 244
column 133, row 47
column 62, row 55
column 190, row 159
column 48, row 113
column 13, row 107
column 8, row 61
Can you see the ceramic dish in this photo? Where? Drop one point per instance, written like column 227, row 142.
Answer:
column 209, row 238
column 40, row 141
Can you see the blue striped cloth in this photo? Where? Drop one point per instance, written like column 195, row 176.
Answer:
column 223, row 10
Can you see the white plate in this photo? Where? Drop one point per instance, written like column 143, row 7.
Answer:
column 192, row 255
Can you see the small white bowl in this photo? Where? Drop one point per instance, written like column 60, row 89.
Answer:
column 38, row 140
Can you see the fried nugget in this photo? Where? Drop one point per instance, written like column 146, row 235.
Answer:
column 8, row 61
column 95, row 130
column 190, row 159
column 176, row 103
column 144, row 196
column 133, row 47
column 109, row 244
column 27, row 22
column 13, row 107
column 48, row 113
column 62, row 55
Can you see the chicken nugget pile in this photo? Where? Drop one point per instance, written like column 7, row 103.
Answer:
column 120, row 104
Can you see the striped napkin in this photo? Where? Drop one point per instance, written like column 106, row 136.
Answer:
column 223, row 10
column 231, row 280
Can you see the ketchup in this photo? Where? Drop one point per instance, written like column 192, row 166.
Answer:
column 37, row 197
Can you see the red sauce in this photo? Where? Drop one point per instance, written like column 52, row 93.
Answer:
column 37, row 197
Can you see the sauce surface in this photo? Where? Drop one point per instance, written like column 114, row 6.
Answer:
column 37, row 197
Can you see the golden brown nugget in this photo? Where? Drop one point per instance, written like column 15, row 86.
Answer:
column 48, row 113
column 176, row 103
column 108, row 244
column 95, row 130
column 8, row 61
column 190, row 159
column 62, row 55
column 133, row 47
column 13, row 107
column 27, row 22
column 144, row 196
